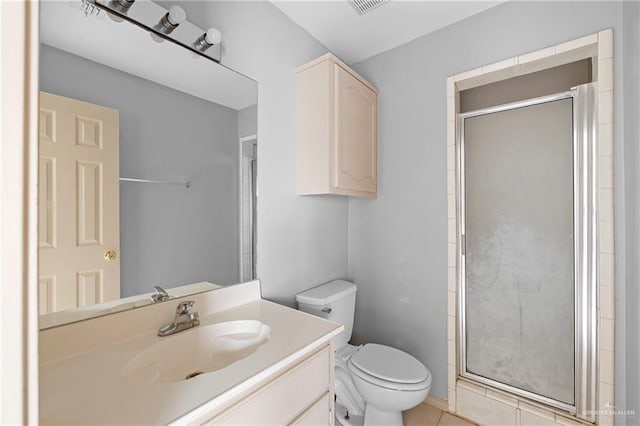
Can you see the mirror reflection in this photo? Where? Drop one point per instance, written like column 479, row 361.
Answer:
column 134, row 193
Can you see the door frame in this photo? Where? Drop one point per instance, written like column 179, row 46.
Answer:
column 18, row 203
column 244, row 169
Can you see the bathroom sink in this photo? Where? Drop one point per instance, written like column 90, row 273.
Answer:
column 197, row 351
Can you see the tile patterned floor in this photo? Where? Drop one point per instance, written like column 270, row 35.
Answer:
column 428, row 415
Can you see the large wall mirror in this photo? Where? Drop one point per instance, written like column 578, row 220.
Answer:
column 147, row 168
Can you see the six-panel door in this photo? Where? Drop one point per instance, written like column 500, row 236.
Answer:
column 78, row 206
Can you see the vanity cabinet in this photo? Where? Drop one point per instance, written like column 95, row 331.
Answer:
column 288, row 379
column 337, row 130
column 301, row 395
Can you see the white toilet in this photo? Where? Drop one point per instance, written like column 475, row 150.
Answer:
column 373, row 383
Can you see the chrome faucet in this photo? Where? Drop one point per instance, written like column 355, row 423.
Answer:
column 160, row 294
column 184, row 320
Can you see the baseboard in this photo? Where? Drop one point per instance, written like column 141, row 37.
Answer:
column 440, row 403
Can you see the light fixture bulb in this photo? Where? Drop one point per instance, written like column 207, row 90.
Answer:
column 208, row 39
column 170, row 21
column 213, row 36
column 176, row 15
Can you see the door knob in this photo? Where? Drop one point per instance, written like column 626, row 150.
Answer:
column 110, row 255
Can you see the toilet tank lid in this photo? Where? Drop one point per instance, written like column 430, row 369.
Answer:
column 326, row 293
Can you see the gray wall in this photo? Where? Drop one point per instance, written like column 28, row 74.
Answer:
column 302, row 240
column 248, row 121
column 397, row 242
column 169, row 235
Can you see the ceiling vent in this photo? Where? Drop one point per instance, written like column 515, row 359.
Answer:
column 366, row 6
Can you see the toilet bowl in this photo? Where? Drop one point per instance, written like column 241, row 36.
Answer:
column 390, row 381
column 373, row 383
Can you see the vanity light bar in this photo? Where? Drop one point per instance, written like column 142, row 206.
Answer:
column 171, row 25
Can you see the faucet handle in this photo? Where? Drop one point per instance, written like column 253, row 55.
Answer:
column 183, row 307
column 160, row 294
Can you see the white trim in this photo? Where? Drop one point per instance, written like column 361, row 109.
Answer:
column 241, row 167
column 18, row 204
column 240, row 225
column 549, row 57
column 248, row 138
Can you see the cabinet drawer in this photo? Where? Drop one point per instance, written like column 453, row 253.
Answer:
column 280, row 401
column 316, row 415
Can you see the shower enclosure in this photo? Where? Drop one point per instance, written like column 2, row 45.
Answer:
column 527, row 296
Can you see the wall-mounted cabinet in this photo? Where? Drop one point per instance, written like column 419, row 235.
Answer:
column 337, row 130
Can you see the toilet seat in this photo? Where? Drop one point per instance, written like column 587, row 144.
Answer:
column 389, row 368
column 387, row 384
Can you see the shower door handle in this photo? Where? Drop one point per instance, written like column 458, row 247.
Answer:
column 463, row 244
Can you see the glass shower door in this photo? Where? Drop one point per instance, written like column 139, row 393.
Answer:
column 519, row 248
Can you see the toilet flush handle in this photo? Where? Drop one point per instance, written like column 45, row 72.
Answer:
column 326, row 310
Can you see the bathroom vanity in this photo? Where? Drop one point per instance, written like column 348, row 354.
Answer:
column 171, row 214
column 96, row 376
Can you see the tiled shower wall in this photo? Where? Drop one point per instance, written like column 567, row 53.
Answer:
column 483, row 404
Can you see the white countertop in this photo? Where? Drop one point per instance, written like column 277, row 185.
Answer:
column 89, row 388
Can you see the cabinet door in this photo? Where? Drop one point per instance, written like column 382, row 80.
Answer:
column 318, row 414
column 354, row 149
column 280, row 401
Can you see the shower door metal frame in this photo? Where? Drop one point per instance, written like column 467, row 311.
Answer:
column 585, row 253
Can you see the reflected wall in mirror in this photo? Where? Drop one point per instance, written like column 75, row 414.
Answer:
column 147, row 168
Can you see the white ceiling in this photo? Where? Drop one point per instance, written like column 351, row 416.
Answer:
column 125, row 47
column 353, row 38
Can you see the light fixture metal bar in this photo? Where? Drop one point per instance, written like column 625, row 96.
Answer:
column 147, row 14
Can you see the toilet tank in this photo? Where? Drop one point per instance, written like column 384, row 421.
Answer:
column 335, row 301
